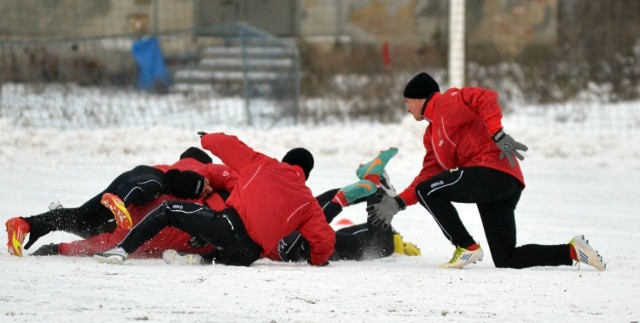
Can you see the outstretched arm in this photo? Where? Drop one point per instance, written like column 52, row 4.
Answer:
column 230, row 150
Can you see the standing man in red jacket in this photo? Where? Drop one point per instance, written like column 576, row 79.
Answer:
column 269, row 201
column 464, row 162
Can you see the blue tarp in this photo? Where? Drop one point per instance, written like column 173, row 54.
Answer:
column 152, row 72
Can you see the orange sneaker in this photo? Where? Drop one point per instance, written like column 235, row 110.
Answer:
column 115, row 204
column 17, row 229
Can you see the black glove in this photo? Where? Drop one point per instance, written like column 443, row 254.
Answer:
column 508, row 147
column 383, row 210
column 47, row 250
column 201, row 133
column 184, row 184
column 196, row 242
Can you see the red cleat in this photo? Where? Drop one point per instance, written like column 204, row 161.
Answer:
column 115, row 204
column 17, row 229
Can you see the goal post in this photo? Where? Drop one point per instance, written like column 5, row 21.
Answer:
column 456, row 43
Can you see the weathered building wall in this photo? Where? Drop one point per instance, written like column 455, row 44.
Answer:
column 37, row 19
column 511, row 25
column 508, row 25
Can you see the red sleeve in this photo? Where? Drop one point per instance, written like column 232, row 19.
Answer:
column 484, row 103
column 220, row 177
column 273, row 255
column 231, row 150
column 430, row 168
column 93, row 245
column 185, row 164
column 320, row 235
column 168, row 238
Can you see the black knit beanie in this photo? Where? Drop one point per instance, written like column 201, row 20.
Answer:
column 184, row 184
column 421, row 86
column 197, row 154
column 300, row 157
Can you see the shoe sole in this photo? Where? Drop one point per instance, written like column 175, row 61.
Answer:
column 471, row 259
column 172, row 257
column 120, row 213
column 112, row 260
column 586, row 254
column 15, row 239
column 15, row 246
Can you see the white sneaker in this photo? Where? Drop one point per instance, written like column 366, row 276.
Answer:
column 385, row 185
column 462, row 257
column 173, row 257
column 116, row 256
column 55, row 206
column 586, row 254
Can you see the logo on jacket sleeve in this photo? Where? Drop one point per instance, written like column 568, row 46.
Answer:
column 436, row 184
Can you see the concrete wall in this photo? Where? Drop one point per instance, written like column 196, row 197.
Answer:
column 37, row 19
column 508, row 25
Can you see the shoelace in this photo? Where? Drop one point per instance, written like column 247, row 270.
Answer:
column 456, row 254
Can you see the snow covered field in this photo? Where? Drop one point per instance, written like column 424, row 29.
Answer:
column 578, row 183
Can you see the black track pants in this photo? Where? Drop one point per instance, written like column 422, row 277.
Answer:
column 363, row 242
column 140, row 185
column 357, row 242
column 224, row 229
column 496, row 195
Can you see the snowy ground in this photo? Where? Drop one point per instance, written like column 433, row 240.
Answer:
column 578, row 183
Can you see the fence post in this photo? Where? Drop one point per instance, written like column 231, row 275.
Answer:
column 245, row 75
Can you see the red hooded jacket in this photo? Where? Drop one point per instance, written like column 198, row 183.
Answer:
column 272, row 198
column 461, row 122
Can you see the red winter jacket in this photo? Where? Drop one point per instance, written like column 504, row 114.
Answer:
column 182, row 164
column 272, row 198
column 461, row 122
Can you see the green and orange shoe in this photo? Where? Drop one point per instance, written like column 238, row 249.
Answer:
column 377, row 165
column 353, row 192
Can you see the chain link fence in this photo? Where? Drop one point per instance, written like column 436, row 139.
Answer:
column 55, row 72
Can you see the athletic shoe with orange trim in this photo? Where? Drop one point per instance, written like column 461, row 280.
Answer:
column 355, row 191
column 377, row 165
column 115, row 204
column 17, row 229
